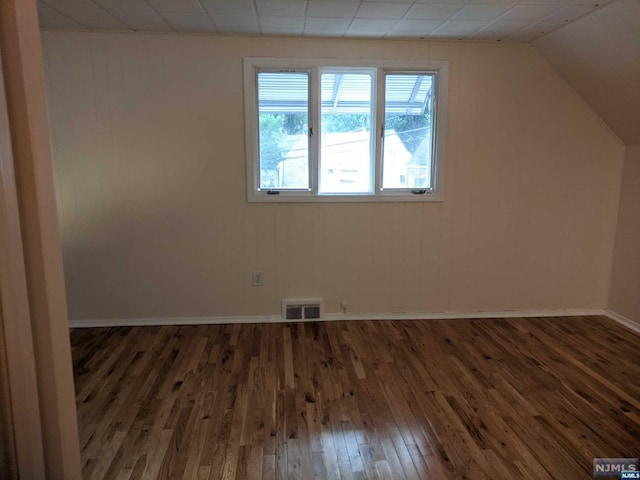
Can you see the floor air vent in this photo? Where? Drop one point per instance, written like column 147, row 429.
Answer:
column 302, row 309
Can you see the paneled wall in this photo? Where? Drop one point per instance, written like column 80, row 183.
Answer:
column 624, row 295
column 149, row 157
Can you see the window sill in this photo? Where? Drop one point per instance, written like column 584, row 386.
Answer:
column 290, row 197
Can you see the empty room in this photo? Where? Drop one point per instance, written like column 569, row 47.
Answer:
column 320, row 239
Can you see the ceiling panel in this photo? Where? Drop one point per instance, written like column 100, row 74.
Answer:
column 229, row 7
column 459, row 27
column 236, row 23
column 51, row 18
column 382, row 10
column 282, row 25
column 311, row 32
column 484, row 20
column 529, row 12
column 128, row 5
column 66, row 5
column 327, row 23
column 504, row 28
column 97, row 19
column 421, row 26
column 329, row 8
column 143, row 21
column 548, row 2
column 284, row 8
column 373, row 24
column 567, row 14
column 177, row 6
column 481, row 12
column 190, row 22
column 436, row 11
column 493, row 2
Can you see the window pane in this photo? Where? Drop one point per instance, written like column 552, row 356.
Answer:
column 345, row 123
column 408, row 131
column 283, row 111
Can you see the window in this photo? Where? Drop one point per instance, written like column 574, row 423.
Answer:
column 283, row 126
column 346, row 113
column 327, row 130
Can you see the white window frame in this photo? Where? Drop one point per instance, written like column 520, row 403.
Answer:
column 254, row 64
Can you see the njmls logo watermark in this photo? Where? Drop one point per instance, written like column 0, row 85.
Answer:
column 628, row 475
column 616, row 468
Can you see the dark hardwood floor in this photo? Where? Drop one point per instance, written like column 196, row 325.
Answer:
column 451, row 399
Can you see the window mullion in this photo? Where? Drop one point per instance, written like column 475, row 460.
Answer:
column 314, row 122
column 434, row 126
column 379, row 133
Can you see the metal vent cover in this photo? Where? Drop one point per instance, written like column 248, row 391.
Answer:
column 302, row 309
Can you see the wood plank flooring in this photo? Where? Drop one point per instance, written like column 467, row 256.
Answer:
column 452, row 399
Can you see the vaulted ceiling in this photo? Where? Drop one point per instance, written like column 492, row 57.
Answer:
column 599, row 56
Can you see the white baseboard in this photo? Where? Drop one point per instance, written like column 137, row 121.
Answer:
column 133, row 322
column 462, row 315
column 148, row 322
column 627, row 322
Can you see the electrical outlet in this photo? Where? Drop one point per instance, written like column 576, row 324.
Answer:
column 257, row 279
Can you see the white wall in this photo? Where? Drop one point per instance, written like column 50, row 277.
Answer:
column 148, row 146
column 624, row 295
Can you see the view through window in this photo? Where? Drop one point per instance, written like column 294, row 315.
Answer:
column 344, row 131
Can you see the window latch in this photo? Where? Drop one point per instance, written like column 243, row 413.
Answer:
column 273, row 192
column 310, row 131
column 419, row 191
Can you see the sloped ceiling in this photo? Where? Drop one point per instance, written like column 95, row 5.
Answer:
column 599, row 55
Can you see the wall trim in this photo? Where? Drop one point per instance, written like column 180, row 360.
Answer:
column 140, row 322
column 627, row 322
